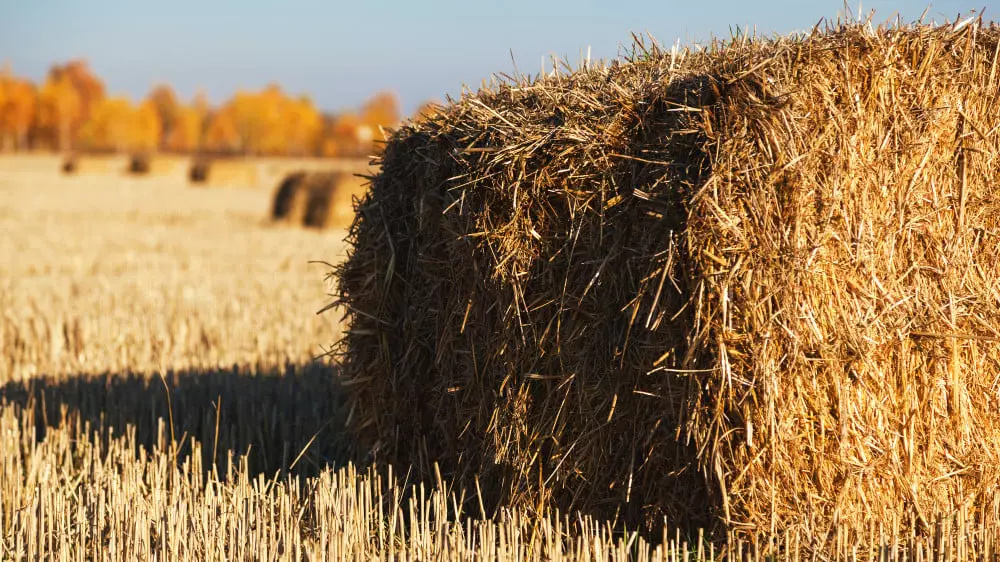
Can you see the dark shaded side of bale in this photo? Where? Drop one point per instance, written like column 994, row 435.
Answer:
column 70, row 165
column 200, row 168
column 755, row 285
column 139, row 164
column 291, row 198
column 331, row 199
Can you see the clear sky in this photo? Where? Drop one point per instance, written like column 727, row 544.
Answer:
column 340, row 52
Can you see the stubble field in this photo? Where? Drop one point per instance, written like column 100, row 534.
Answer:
column 162, row 394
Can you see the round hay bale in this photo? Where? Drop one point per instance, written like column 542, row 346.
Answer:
column 291, row 199
column 139, row 164
column 70, row 165
column 199, row 171
column 331, row 199
column 752, row 286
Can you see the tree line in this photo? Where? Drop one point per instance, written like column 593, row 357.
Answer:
column 71, row 111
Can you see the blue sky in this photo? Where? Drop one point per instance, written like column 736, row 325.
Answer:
column 340, row 52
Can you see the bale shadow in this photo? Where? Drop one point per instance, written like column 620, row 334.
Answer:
column 289, row 419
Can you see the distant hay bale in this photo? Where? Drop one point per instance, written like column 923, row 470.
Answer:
column 139, row 164
column 199, row 171
column 290, row 199
column 331, row 199
column 754, row 285
column 233, row 172
column 70, row 165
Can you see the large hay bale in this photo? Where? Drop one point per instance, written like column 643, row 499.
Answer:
column 331, row 199
column 290, row 199
column 139, row 164
column 199, row 171
column 755, row 285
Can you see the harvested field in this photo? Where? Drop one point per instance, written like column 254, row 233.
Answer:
column 605, row 249
column 154, row 404
column 752, row 287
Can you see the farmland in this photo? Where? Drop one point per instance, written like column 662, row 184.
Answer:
column 159, row 384
column 694, row 305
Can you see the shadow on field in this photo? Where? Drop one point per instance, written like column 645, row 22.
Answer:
column 271, row 415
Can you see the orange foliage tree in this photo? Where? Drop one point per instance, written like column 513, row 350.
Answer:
column 188, row 127
column 70, row 110
column 109, row 126
column 17, row 111
column 69, row 95
column 221, row 135
column 345, row 135
column 59, row 109
column 115, row 125
column 147, row 128
column 168, row 111
column 265, row 122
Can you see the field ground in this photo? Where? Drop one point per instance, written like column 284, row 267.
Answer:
column 160, row 397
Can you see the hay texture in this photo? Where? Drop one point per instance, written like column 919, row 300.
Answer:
column 331, row 199
column 755, row 285
column 291, row 199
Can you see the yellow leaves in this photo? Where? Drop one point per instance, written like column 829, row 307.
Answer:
column 265, row 122
column 17, row 108
column 146, row 128
column 108, row 128
column 185, row 135
column 116, row 125
column 71, row 107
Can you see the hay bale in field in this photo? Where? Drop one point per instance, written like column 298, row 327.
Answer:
column 331, row 199
column 290, row 199
column 70, row 164
column 199, row 171
column 233, row 172
column 139, row 164
column 754, row 285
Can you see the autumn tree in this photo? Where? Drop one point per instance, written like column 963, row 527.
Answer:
column 147, row 128
column 265, row 122
column 70, row 109
column 17, row 111
column 346, row 135
column 299, row 124
column 69, row 95
column 60, row 109
column 168, row 111
column 221, row 135
column 109, row 128
column 186, row 134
